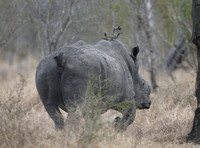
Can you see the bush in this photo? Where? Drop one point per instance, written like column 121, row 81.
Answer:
column 11, row 113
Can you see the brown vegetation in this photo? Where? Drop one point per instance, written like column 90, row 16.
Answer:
column 25, row 123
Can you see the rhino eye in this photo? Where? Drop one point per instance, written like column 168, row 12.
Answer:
column 143, row 83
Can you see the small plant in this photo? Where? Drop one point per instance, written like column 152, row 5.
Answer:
column 91, row 112
column 11, row 112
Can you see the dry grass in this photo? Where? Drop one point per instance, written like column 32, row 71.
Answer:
column 25, row 123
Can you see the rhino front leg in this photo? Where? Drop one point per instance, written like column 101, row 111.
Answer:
column 55, row 114
column 121, row 124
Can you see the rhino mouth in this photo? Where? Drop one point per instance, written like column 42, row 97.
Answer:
column 144, row 106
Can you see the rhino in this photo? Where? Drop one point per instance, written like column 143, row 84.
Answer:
column 62, row 80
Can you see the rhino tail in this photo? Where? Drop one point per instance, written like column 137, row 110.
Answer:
column 60, row 62
column 60, row 68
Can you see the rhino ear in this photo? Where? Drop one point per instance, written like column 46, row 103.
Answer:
column 135, row 51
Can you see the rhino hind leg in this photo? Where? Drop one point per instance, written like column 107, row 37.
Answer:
column 121, row 124
column 55, row 114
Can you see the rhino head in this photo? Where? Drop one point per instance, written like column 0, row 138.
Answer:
column 142, row 94
column 141, row 88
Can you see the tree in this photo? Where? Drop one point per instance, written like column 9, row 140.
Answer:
column 145, row 33
column 12, row 17
column 54, row 18
column 171, row 25
column 194, row 135
column 60, row 22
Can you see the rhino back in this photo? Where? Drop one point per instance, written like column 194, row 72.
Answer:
column 119, row 51
column 88, row 60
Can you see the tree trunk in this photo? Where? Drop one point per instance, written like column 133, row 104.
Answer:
column 194, row 135
column 148, row 32
column 142, row 14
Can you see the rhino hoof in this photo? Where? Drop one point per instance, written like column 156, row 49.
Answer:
column 190, row 137
column 59, row 126
column 119, row 127
column 117, row 119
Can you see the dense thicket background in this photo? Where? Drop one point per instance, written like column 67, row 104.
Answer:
column 32, row 27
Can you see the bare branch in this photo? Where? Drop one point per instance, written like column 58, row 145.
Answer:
column 64, row 26
column 163, row 38
column 12, row 26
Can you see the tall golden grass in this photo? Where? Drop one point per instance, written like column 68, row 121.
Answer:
column 25, row 123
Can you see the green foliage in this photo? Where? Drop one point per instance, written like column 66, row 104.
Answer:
column 92, row 111
column 51, row 1
column 175, row 16
column 136, row 2
column 125, row 105
column 112, row 6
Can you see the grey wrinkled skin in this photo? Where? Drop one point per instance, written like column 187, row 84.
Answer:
column 108, row 59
